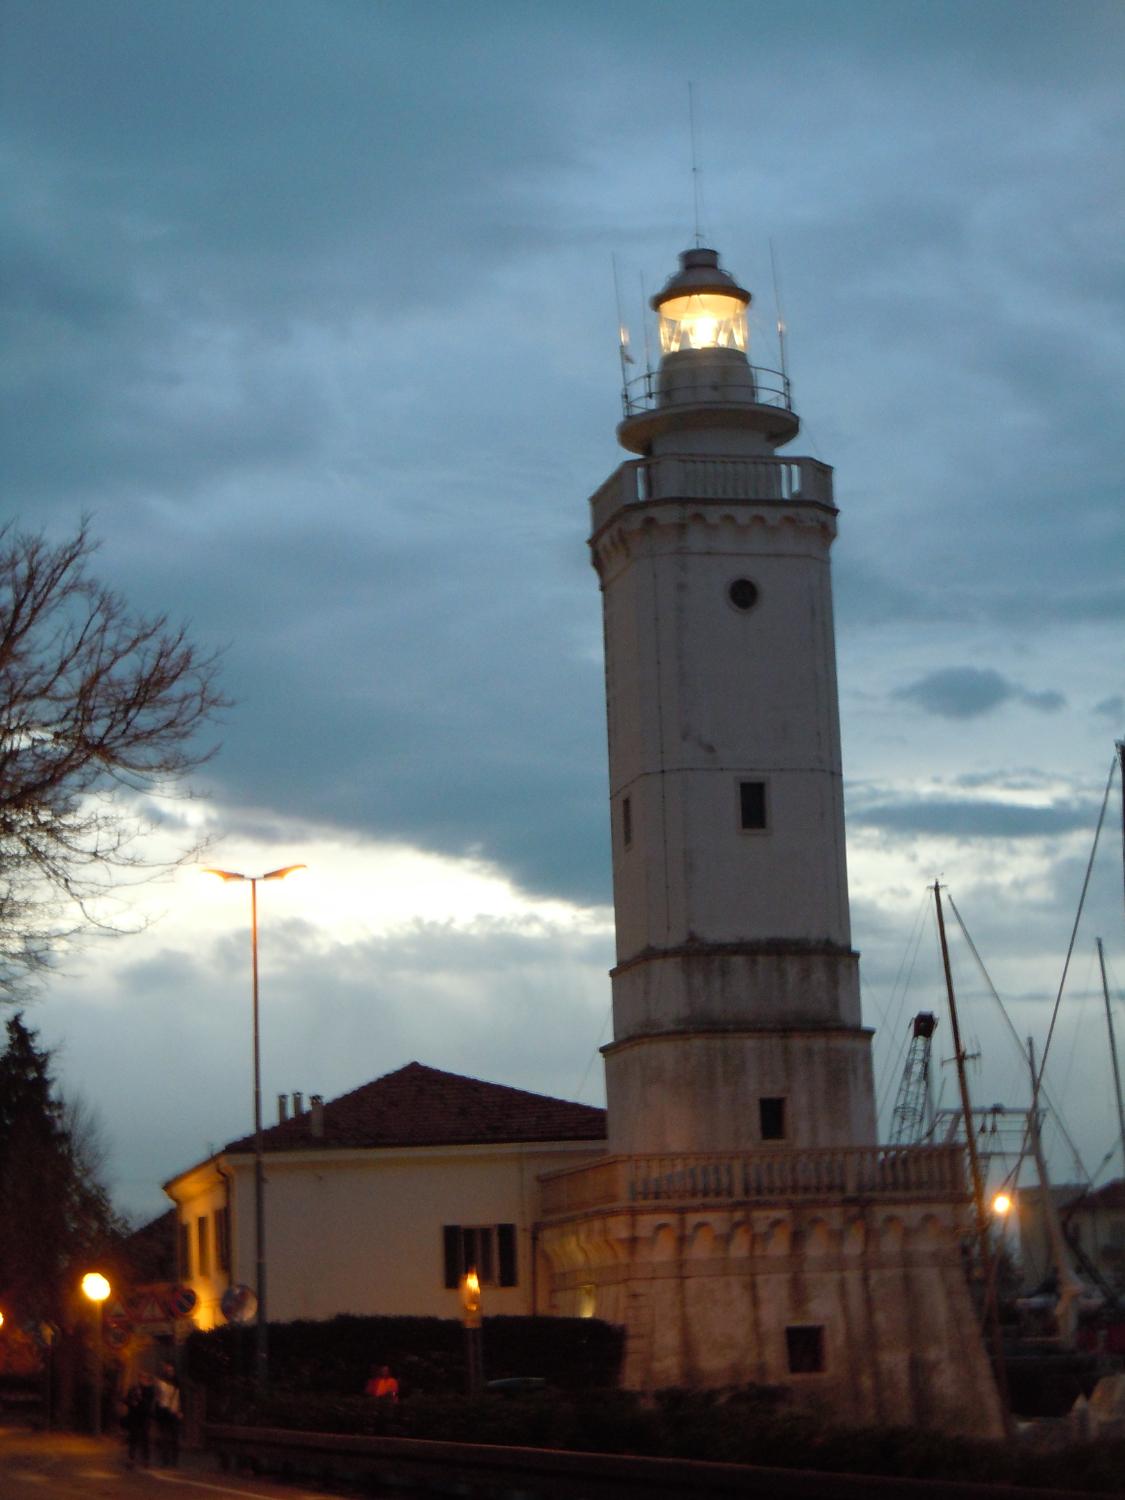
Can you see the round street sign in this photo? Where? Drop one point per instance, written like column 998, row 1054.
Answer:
column 238, row 1304
column 180, row 1302
column 118, row 1332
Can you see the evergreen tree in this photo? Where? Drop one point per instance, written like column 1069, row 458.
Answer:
column 54, row 1215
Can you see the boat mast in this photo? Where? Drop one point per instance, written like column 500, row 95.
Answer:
column 1113, row 1041
column 1069, row 1286
column 991, row 1312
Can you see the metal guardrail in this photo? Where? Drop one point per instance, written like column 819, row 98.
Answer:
column 483, row 1472
column 642, row 393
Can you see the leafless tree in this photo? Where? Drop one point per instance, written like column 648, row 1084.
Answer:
column 98, row 708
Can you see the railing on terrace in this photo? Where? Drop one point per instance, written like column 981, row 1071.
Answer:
column 687, row 478
column 642, row 393
column 746, row 1177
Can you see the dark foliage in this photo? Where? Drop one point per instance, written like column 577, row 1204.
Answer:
column 55, row 1215
column 334, row 1358
column 749, row 1425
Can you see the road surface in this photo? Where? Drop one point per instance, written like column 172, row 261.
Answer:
column 65, row 1466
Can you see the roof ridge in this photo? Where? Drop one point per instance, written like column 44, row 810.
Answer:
column 416, row 1104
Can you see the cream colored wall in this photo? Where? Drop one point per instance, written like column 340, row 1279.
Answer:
column 201, row 1194
column 361, row 1231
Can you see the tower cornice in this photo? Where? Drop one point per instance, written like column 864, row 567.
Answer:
column 765, row 948
column 612, row 543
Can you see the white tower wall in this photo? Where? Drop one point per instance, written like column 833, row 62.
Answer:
column 744, row 1225
column 735, row 980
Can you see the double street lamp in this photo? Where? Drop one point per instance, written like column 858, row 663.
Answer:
column 261, row 1354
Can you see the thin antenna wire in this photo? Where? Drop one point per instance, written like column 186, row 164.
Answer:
column 622, row 338
column 695, row 174
column 644, row 326
column 781, row 328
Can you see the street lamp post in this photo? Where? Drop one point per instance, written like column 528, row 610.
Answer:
column 261, row 1352
column 96, row 1288
column 471, row 1317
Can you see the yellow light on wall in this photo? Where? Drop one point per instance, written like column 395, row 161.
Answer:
column 702, row 320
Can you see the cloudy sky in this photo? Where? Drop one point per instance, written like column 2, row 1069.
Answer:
column 310, row 306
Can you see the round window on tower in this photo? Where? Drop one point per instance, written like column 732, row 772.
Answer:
column 743, row 594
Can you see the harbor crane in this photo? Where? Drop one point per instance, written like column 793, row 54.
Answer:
column 914, row 1106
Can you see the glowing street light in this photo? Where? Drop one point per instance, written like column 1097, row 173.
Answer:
column 261, row 1355
column 96, row 1288
column 1001, row 1205
column 471, row 1317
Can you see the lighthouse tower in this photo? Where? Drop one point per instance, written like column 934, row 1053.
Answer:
column 736, row 990
column 744, row 1225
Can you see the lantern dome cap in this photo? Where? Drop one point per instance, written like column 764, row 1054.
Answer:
column 700, row 272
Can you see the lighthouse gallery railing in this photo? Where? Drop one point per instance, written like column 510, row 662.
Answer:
column 676, row 477
column 847, row 1172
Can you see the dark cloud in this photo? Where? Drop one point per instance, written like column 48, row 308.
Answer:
column 971, row 819
column 315, row 313
column 1112, row 707
column 967, row 692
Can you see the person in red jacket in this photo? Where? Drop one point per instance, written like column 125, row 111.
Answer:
column 382, row 1384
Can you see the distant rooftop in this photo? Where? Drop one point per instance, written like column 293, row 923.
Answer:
column 420, row 1106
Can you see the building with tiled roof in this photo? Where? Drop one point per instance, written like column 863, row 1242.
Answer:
column 420, row 1106
column 378, row 1201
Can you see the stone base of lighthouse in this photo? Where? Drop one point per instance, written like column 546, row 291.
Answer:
column 837, row 1274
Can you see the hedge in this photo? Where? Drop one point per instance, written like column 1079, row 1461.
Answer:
column 335, row 1357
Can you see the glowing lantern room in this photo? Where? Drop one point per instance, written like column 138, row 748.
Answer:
column 701, row 306
column 706, row 396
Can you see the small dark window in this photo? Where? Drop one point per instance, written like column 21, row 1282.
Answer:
column 506, row 1248
column 222, row 1238
column 185, row 1251
column 752, row 803
column 627, row 820
column 204, row 1246
column 804, row 1345
column 771, row 1119
column 743, row 594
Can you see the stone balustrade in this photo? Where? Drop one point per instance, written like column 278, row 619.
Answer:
column 687, row 478
column 872, row 1172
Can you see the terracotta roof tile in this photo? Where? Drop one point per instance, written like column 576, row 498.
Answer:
column 420, row 1106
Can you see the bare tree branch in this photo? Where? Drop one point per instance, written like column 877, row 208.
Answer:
column 97, row 706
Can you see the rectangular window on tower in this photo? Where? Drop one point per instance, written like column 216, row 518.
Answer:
column 752, row 805
column 203, row 1246
column 771, row 1119
column 627, row 820
column 804, row 1344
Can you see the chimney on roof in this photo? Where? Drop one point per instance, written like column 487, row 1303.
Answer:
column 282, row 1108
column 298, row 1101
column 316, row 1121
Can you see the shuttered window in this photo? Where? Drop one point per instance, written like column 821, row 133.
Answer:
column 489, row 1249
column 222, row 1238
